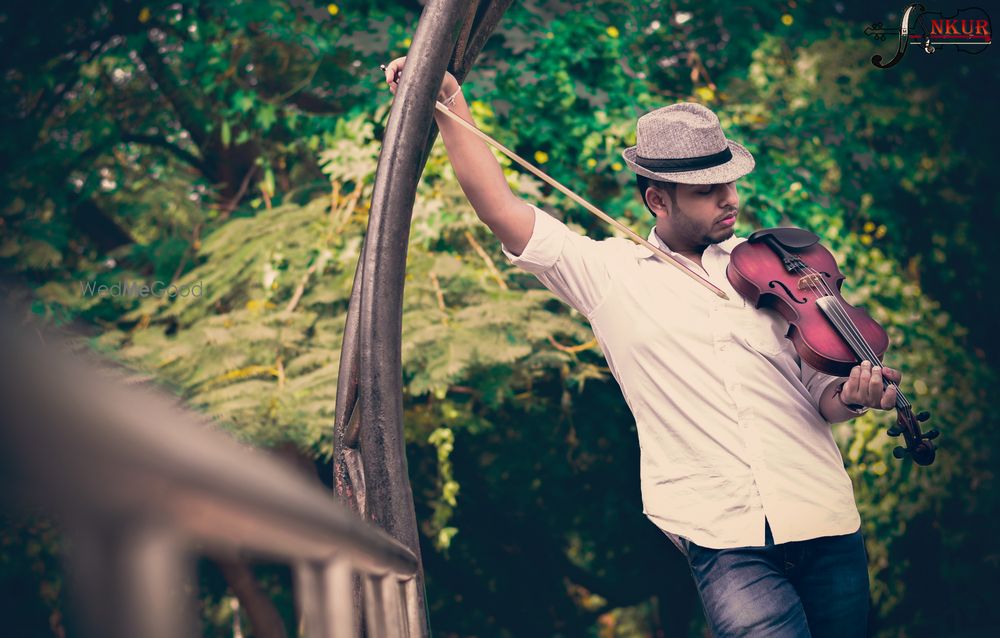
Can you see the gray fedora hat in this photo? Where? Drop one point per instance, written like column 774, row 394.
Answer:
column 684, row 143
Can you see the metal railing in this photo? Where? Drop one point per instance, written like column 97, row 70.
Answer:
column 141, row 486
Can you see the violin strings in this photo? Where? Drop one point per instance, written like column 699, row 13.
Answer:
column 839, row 321
column 848, row 328
column 843, row 320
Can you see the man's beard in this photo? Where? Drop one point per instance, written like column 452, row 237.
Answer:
column 726, row 233
column 711, row 236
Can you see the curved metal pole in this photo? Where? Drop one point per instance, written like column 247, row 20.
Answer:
column 480, row 22
column 389, row 498
column 387, row 463
column 347, row 479
column 485, row 18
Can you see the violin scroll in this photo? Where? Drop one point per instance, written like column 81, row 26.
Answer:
column 918, row 444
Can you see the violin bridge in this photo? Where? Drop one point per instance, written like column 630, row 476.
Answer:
column 810, row 282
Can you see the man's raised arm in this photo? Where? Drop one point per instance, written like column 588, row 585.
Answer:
column 509, row 218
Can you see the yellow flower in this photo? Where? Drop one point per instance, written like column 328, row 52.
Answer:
column 144, row 15
column 333, row 9
column 795, row 187
column 617, row 166
column 706, row 94
column 591, row 163
column 541, row 157
column 787, row 20
column 866, row 240
column 869, row 226
column 612, row 31
column 407, row 42
column 880, row 231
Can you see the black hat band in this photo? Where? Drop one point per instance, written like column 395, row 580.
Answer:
column 686, row 163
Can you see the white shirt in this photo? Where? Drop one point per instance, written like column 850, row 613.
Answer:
column 727, row 417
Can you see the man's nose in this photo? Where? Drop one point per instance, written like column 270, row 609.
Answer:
column 730, row 197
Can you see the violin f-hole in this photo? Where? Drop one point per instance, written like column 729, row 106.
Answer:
column 775, row 283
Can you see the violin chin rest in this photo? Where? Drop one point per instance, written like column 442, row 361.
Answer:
column 790, row 237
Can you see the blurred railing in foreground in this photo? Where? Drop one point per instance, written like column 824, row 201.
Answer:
column 141, row 487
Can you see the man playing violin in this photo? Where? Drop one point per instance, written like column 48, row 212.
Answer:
column 739, row 467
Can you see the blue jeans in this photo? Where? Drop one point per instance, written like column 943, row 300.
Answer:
column 806, row 589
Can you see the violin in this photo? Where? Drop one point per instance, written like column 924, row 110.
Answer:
column 789, row 271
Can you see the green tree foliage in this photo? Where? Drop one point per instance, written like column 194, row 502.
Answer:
column 229, row 148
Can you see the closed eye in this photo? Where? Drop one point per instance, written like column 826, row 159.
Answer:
column 710, row 189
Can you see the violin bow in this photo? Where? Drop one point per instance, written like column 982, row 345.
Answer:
column 670, row 259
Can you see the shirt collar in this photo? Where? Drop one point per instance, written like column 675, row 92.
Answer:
column 642, row 252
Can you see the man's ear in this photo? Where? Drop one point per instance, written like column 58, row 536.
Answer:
column 658, row 199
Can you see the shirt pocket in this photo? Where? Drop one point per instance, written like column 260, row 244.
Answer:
column 765, row 331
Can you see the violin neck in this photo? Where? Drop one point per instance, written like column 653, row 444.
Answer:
column 901, row 402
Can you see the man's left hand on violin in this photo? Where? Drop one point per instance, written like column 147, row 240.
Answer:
column 865, row 388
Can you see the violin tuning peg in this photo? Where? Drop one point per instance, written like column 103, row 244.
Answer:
column 923, row 416
column 899, row 452
column 932, row 434
column 894, row 431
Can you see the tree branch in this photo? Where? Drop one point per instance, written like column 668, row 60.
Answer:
column 314, row 104
column 191, row 118
column 162, row 142
column 260, row 609
column 227, row 207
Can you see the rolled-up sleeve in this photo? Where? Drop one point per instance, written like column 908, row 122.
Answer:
column 545, row 245
column 573, row 266
column 817, row 382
